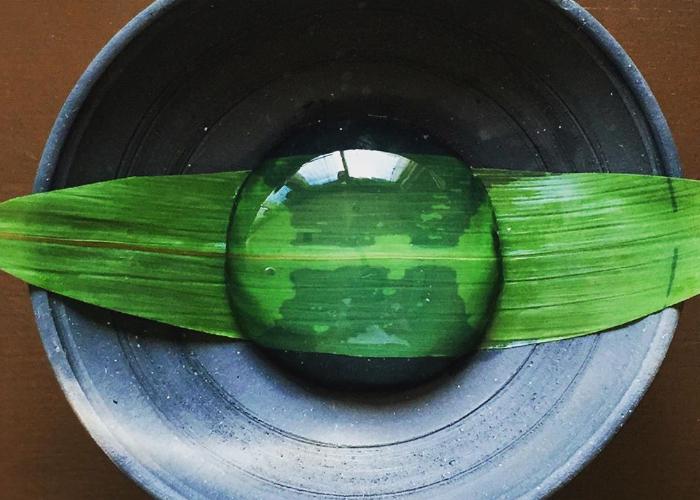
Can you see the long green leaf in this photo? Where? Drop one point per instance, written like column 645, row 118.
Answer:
column 581, row 252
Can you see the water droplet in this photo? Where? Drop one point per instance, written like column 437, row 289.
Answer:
column 365, row 252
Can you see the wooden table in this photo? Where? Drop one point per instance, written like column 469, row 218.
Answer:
column 44, row 451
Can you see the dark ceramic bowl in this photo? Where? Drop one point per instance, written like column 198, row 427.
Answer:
column 201, row 86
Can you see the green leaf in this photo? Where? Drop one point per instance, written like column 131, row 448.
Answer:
column 581, row 253
column 153, row 247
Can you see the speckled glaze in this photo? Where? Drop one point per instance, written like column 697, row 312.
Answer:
column 188, row 86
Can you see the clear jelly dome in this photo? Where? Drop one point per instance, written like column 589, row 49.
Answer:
column 365, row 254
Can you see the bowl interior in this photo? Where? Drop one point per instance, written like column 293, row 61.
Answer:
column 218, row 85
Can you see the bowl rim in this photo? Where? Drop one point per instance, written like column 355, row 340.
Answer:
column 148, row 478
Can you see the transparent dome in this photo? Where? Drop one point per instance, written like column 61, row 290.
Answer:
column 363, row 253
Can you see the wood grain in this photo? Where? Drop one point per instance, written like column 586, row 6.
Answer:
column 45, row 453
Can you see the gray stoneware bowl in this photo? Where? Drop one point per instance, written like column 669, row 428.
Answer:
column 202, row 86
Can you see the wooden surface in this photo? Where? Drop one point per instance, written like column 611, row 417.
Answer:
column 44, row 451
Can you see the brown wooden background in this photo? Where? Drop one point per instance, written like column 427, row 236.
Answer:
column 45, row 453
